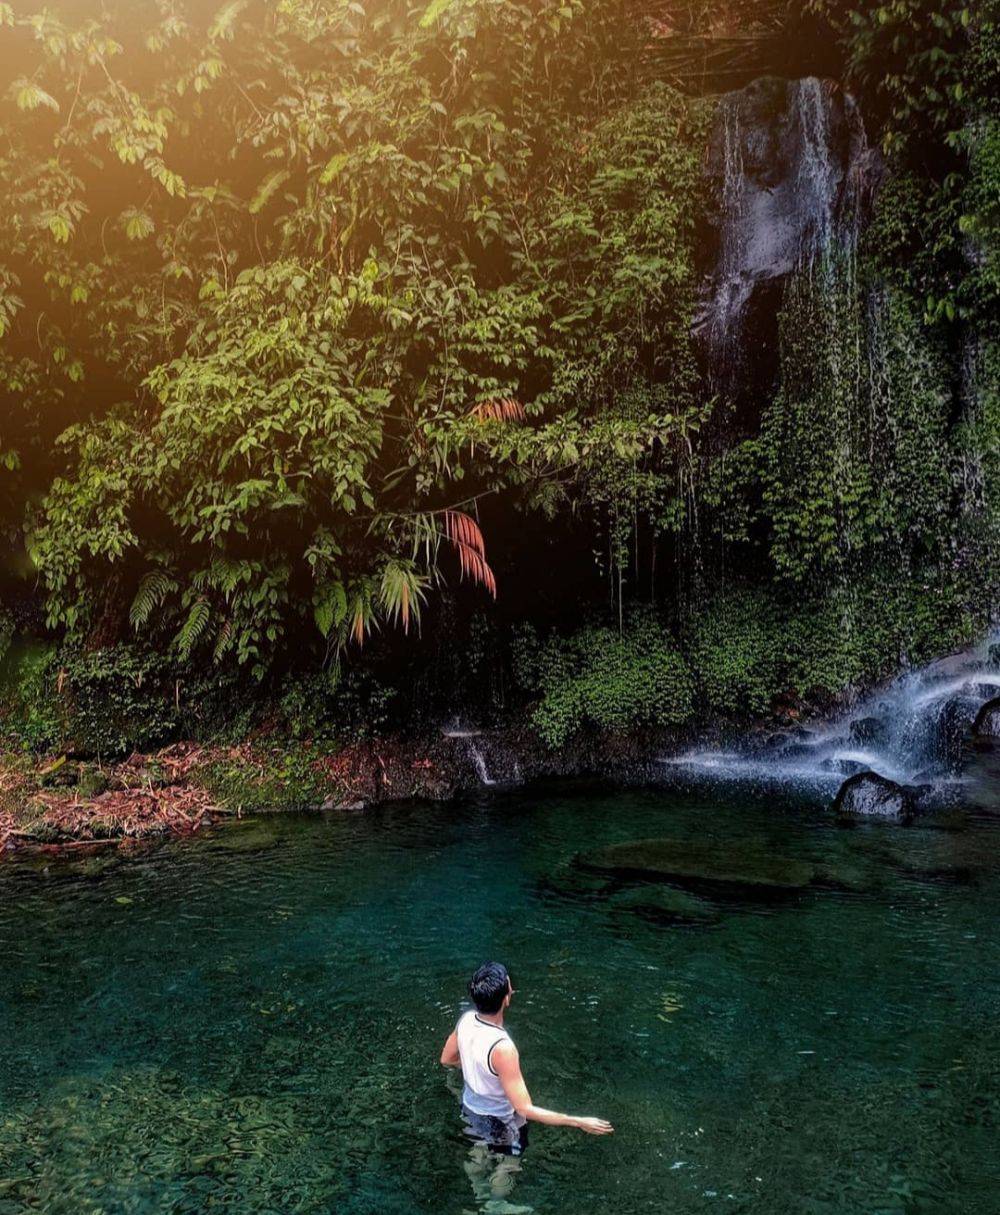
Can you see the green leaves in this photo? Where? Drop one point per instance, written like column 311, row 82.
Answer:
column 224, row 23
column 267, row 189
column 138, row 224
column 615, row 682
column 330, row 607
column 28, row 95
column 334, row 167
column 433, row 12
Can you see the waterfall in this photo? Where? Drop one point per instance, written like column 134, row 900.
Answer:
column 912, row 731
column 793, row 174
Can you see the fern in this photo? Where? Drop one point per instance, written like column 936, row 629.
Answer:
column 153, row 590
column 193, row 628
column 224, row 641
column 267, row 189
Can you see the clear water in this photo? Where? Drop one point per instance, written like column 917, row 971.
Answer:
column 251, row 1022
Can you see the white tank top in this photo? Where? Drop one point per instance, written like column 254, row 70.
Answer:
column 483, row 1092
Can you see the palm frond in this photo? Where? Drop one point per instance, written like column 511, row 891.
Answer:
column 361, row 616
column 467, row 539
column 505, row 409
column 402, row 592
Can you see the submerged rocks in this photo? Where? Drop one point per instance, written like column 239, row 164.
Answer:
column 987, row 723
column 868, row 795
column 701, row 861
column 658, row 902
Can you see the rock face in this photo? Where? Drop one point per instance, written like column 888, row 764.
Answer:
column 672, row 860
column 869, row 731
column 987, row 723
column 791, row 172
column 868, row 795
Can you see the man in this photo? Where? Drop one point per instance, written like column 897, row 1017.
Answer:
column 496, row 1104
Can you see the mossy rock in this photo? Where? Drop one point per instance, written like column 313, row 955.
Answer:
column 845, row 875
column 737, row 864
column 570, row 881
column 665, row 903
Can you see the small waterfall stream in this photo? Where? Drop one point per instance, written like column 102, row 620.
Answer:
column 479, row 763
column 913, row 731
column 466, row 737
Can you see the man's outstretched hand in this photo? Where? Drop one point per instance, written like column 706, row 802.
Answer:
column 594, row 1126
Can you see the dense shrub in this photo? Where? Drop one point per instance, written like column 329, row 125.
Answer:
column 33, row 714
column 346, row 705
column 604, row 680
column 736, row 652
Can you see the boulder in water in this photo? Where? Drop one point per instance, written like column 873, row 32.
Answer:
column 987, row 723
column 868, row 795
column 673, row 860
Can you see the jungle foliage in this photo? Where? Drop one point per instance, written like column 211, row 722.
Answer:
column 356, row 269
column 315, row 313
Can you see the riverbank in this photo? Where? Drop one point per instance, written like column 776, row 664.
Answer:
column 917, row 734
column 63, row 802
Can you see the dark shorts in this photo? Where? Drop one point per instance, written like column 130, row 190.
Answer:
column 507, row 1136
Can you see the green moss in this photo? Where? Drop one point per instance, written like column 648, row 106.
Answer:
column 753, row 644
column 273, row 776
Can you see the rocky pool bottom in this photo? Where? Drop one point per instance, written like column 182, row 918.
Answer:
column 779, row 1014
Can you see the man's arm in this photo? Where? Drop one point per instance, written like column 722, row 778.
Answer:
column 507, row 1065
column 449, row 1054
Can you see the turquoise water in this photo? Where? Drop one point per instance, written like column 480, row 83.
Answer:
column 250, row 1022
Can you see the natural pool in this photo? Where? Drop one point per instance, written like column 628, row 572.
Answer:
column 250, row 1022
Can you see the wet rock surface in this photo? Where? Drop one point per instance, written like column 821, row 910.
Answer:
column 870, row 731
column 868, row 795
column 987, row 723
column 791, row 171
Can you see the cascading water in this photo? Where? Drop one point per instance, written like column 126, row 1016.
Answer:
column 479, row 763
column 914, row 731
column 793, row 179
column 466, row 737
column 793, row 174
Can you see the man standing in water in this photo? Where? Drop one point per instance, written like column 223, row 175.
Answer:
column 496, row 1104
